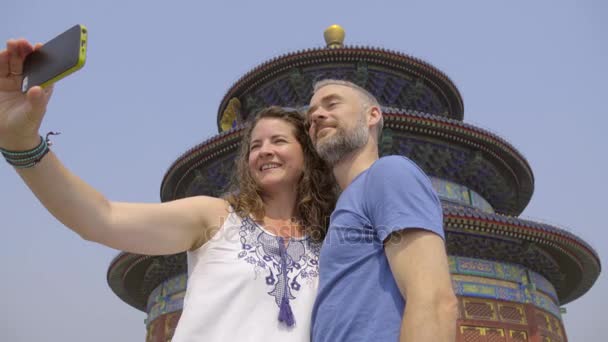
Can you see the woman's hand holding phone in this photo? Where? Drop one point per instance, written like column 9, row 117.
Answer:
column 20, row 113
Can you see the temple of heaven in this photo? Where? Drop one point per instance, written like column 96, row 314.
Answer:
column 511, row 275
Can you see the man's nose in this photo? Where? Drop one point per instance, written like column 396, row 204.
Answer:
column 318, row 115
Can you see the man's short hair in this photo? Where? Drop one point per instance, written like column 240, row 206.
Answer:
column 368, row 99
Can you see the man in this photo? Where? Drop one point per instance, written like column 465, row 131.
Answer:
column 385, row 241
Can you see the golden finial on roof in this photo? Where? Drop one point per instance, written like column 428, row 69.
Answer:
column 334, row 36
column 230, row 117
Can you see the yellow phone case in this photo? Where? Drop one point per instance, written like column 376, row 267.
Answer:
column 56, row 59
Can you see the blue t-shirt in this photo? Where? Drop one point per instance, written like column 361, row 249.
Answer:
column 358, row 298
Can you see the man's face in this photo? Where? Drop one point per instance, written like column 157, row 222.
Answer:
column 337, row 122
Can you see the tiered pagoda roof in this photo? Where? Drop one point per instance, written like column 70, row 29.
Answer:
column 423, row 113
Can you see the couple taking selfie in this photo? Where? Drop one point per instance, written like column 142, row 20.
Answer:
column 357, row 256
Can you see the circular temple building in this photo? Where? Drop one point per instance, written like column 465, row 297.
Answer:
column 510, row 275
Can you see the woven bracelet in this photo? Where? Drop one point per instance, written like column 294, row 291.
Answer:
column 27, row 159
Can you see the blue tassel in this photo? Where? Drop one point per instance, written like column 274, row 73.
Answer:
column 285, row 313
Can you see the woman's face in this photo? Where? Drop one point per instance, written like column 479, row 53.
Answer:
column 276, row 159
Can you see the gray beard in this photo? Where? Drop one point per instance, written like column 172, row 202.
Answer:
column 334, row 148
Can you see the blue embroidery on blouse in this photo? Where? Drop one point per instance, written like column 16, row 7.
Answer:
column 261, row 250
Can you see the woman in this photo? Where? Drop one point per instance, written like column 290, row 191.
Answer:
column 252, row 257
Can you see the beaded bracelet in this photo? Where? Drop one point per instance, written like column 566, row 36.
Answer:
column 27, row 159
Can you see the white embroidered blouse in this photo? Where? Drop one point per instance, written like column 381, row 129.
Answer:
column 246, row 284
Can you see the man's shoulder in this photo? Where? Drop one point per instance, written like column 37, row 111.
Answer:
column 395, row 163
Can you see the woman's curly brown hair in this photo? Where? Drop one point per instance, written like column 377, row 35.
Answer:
column 316, row 190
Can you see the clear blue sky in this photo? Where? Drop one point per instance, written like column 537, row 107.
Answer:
column 533, row 72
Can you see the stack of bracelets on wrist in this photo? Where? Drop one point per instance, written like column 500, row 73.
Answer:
column 27, row 159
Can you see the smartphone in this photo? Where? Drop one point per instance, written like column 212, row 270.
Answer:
column 56, row 59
